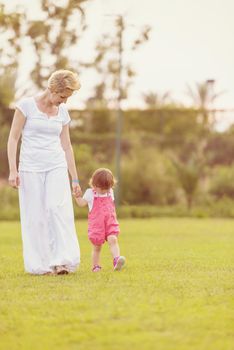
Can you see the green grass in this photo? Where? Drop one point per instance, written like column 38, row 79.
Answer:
column 175, row 293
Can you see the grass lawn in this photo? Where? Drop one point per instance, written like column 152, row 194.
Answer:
column 176, row 292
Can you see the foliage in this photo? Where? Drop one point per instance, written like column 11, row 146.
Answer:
column 174, row 126
column 10, row 34
column 3, row 151
column 223, row 208
column 203, row 97
column 55, row 36
column 220, row 149
column 9, row 204
column 11, row 47
column 113, row 74
column 155, row 100
column 189, row 173
column 147, row 178
column 86, row 162
column 222, row 182
column 145, row 144
column 7, row 88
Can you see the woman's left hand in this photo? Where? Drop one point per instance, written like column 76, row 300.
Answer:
column 76, row 190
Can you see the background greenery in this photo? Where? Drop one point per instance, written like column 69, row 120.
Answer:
column 172, row 157
column 182, row 169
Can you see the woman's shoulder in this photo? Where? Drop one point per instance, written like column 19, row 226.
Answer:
column 24, row 104
column 25, row 100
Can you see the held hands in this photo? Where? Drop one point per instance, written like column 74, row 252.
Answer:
column 14, row 180
column 76, row 190
column 77, row 193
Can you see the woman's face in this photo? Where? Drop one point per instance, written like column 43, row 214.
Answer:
column 60, row 97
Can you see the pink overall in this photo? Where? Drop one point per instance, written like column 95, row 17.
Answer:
column 102, row 221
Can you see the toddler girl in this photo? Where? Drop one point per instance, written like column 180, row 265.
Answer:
column 102, row 222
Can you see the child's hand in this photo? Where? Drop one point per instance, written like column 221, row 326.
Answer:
column 76, row 190
column 79, row 195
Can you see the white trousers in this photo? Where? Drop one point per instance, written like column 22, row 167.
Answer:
column 47, row 221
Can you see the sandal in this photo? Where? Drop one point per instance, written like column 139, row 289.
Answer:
column 61, row 270
column 96, row 268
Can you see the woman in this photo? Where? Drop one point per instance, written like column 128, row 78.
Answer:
column 50, row 244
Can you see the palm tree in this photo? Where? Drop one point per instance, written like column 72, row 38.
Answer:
column 189, row 172
column 156, row 100
column 203, row 97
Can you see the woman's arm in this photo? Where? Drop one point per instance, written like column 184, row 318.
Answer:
column 14, row 136
column 67, row 147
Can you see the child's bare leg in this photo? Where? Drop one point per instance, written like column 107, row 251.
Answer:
column 118, row 261
column 114, row 245
column 96, row 254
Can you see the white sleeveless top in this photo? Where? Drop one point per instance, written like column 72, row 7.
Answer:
column 41, row 148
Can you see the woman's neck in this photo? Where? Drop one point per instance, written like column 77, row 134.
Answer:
column 44, row 99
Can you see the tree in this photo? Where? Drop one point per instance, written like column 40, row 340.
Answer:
column 114, row 76
column 203, row 97
column 155, row 100
column 10, row 36
column 189, row 172
column 11, row 47
column 222, row 182
column 7, row 93
column 52, row 37
column 58, row 28
column 152, row 172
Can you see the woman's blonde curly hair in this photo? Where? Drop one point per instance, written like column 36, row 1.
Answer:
column 63, row 79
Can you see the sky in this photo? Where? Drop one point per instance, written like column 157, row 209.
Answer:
column 191, row 41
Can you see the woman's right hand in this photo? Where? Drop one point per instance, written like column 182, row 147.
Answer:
column 14, row 180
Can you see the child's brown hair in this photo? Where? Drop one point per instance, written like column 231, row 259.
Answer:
column 102, row 178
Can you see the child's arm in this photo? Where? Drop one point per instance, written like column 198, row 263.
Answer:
column 81, row 201
column 86, row 199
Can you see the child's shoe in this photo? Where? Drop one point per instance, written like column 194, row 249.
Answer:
column 96, row 268
column 118, row 263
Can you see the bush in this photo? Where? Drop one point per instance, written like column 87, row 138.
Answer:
column 222, row 182
column 9, row 209
column 148, row 177
column 9, row 204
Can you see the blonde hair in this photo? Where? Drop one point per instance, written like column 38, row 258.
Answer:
column 61, row 80
column 102, row 178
